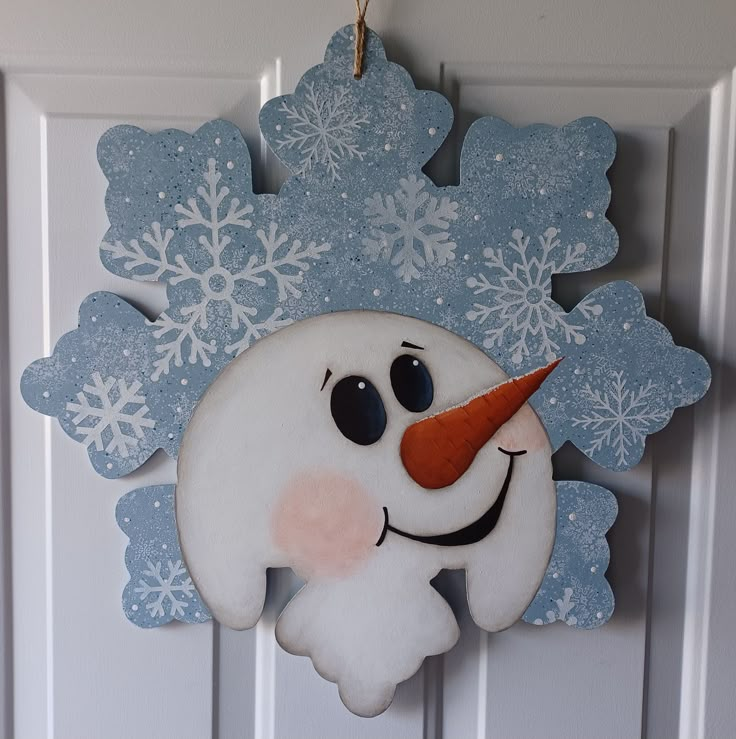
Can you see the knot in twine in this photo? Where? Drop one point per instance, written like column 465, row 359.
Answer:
column 359, row 39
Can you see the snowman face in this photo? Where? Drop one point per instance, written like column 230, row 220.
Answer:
column 365, row 442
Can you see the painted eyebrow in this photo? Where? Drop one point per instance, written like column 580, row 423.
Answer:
column 409, row 345
column 328, row 374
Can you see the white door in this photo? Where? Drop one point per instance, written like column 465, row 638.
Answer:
column 662, row 75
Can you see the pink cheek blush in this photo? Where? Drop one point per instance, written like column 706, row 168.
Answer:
column 523, row 431
column 326, row 523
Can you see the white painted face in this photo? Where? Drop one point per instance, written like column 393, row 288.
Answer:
column 310, row 451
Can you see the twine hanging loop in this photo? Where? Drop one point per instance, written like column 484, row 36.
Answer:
column 359, row 38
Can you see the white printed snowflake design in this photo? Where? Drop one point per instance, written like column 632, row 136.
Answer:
column 110, row 405
column 564, row 606
column 166, row 587
column 409, row 217
column 324, row 130
column 620, row 418
column 284, row 263
column 521, row 296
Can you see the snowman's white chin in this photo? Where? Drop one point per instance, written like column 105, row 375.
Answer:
column 368, row 632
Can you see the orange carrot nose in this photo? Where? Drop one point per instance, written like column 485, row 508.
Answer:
column 438, row 450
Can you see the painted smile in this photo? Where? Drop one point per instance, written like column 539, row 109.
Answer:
column 473, row 532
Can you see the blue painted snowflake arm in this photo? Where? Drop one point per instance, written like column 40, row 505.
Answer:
column 160, row 588
column 532, row 204
column 541, row 178
column 336, row 132
column 170, row 193
column 97, row 383
column 574, row 589
column 620, row 384
column 182, row 211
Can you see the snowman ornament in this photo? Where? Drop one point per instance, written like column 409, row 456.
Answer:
column 367, row 451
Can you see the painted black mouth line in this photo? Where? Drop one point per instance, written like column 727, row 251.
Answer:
column 473, row 532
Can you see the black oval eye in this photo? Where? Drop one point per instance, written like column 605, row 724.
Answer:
column 412, row 383
column 358, row 410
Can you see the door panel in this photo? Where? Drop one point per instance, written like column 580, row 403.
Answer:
column 100, row 677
